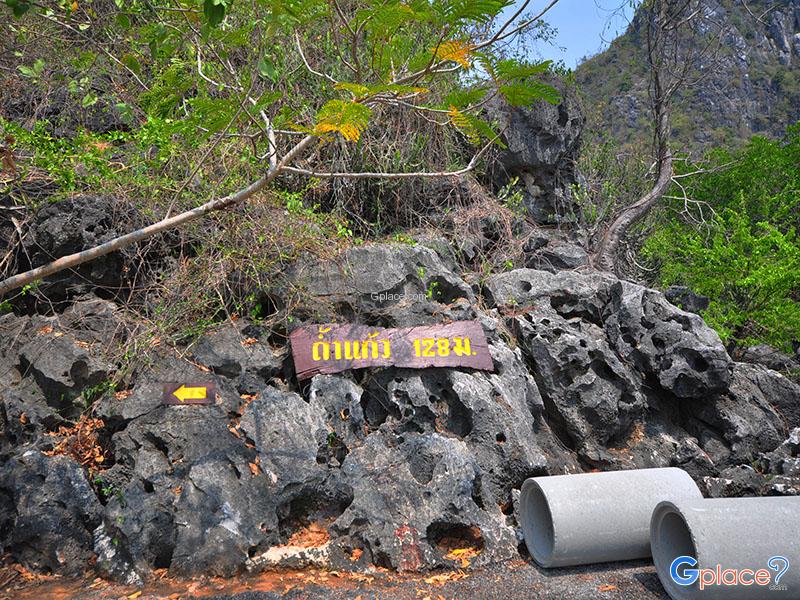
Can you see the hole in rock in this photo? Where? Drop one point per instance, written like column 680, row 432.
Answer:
column 305, row 520
column 447, row 537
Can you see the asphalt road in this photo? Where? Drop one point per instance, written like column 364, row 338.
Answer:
column 513, row 579
column 517, row 579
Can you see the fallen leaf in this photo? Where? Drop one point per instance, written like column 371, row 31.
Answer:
column 23, row 418
column 312, row 536
column 607, row 588
column 193, row 587
column 7, row 161
column 134, row 595
column 45, row 330
column 249, row 341
column 122, row 395
column 356, row 554
column 445, row 577
column 254, row 469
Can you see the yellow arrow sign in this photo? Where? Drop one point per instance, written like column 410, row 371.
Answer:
column 184, row 393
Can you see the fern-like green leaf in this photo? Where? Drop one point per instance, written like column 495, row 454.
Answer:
column 474, row 128
column 516, row 69
column 359, row 91
column 525, row 93
column 356, row 89
column 463, row 98
column 479, row 11
column 386, row 16
column 350, row 119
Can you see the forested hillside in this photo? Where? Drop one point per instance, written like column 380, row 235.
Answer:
column 745, row 81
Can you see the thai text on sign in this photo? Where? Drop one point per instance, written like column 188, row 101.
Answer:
column 334, row 348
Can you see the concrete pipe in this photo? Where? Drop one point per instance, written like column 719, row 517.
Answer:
column 596, row 517
column 732, row 548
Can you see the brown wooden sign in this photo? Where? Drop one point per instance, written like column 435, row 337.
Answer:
column 190, row 393
column 334, row 348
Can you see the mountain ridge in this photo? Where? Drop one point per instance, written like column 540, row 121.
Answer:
column 752, row 86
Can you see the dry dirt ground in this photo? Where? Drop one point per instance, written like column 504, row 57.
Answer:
column 514, row 579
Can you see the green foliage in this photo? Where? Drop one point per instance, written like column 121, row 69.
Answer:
column 743, row 249
column 18, row 7
column 204, row 88
column 34, row 71
column 348, row 118
column 214, row 11
column 510, row 196
column 77, row 162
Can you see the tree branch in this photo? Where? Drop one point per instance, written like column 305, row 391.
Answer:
column 412, row 175
column 118, row 243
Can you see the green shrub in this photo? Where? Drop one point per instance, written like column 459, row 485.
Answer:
column 735, row 239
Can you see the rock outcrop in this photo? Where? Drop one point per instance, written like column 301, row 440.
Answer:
column 71, row 226
column 542, row 147
column 391, row 467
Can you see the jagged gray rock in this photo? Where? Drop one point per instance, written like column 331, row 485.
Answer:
column 497, row 414
column 241, row 352
column 412, row 491
column 674, row 347
column 542, row 145
column 685, row 299
column 63, row 368
column 764, row 354
column 339, row 399
column 69, row 226
column 744, row 417
column 591, row 395
column 662, row 342
column 48, row 511
column 785, row 459
column 393, row 285
column 557, row 255
column 198, row 495
column 589, row 372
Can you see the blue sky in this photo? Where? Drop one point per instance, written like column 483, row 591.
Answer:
column 584, row 27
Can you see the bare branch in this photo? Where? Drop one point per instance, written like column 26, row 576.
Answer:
column 306, row 63
column 411, row 175
column 525, row 24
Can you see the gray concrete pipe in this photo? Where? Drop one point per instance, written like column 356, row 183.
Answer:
column 737, row 534
column 596, row 517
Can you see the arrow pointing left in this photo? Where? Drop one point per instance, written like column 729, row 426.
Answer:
column 184, row 393
column 189, row 393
